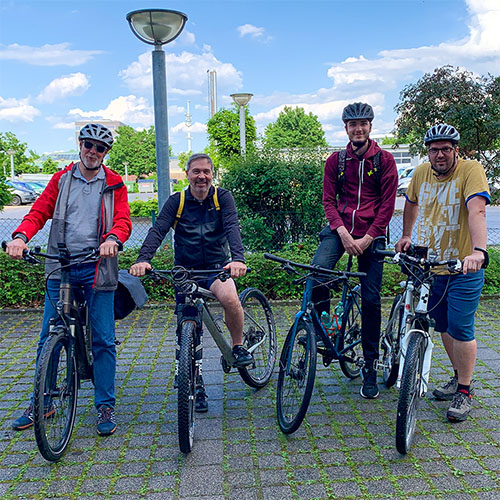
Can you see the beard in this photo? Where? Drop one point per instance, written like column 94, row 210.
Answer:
column 359, row 144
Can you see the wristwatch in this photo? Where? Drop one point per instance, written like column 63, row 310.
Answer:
column 486, row 256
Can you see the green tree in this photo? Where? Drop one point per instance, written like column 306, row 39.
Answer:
column 460, row 98
column 278, row 196
column 224, row 133
column 295, row 129
column 183, row 158
column 49, row 166
column 24, row 160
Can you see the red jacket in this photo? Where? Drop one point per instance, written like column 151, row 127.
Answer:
column 366, row 203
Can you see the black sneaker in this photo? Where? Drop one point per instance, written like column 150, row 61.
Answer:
column 200, row 401
column 106, row 423
column 461, row 406
column 243, row 357
column 25, row 421
column 369, row 389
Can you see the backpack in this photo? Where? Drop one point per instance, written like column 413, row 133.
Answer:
column 377, row 170
column 180, row 208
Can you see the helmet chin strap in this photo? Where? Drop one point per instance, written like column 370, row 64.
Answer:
column 356, row 147
column 437, row 173
column 89, row 168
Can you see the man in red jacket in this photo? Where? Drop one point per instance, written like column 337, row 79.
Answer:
column 88, row 205
column 359, row 192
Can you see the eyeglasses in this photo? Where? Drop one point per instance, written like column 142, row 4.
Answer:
column 98, row 147
column 446, row 150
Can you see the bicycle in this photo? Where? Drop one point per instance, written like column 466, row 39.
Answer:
column 407, row 340
column 308, row 336
column 259, row 338
column 65, row 359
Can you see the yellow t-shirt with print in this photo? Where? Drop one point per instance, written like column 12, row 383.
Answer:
column 443, row 223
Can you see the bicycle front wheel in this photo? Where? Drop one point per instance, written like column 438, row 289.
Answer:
column 297, row 369
column 409, row 393
column 55, row 395
column 390, row 342
column 352, row 359
column 259, row 337
column 186, row 387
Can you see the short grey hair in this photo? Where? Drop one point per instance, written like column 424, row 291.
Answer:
column 199, row 156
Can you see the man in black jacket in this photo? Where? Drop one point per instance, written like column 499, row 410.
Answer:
column 207, row 236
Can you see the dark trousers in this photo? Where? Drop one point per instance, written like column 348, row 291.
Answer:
column 327, row 255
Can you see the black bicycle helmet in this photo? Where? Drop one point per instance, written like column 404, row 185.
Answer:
column 442, row 132
column 357, row 111
column 97, row 132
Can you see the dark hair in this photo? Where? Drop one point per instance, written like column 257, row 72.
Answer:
column 199, row 156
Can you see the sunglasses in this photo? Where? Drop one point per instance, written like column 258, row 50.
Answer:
column 98, row 147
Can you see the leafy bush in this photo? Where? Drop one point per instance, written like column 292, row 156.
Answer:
column 143, row 208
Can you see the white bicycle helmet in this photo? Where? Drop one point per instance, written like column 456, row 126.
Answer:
column 442, row 132
column 96, row 132
column 357, row 111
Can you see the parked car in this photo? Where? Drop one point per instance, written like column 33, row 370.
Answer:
column 404, row 181
column 21, row 195
column 35, row 186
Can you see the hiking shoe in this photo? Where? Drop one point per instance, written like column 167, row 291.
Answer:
column 369, row 389
column 200, row 401
column 448, row 390
column 243, row 357
column 106, row 423
column 460, row 407
column 25, row 421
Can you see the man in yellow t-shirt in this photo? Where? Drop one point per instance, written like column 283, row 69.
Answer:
column 449, row 195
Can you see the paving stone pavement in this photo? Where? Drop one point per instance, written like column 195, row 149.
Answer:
column 344, row 449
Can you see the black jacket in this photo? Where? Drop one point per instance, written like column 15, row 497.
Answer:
column 204, row 236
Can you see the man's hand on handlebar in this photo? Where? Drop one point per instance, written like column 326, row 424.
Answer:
column 15, row 248
column 403, row 244
column 140, row 268
column 236, row 268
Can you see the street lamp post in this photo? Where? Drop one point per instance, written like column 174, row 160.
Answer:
column 11, row 152
column 242, row 100
column 158, row 27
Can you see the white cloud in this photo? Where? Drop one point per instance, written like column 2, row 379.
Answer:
column 195, row 128
column 254, row 32
column 127, row 109
column 186, row 73
column 17, row 110
column 62, row 125
column 478, row 52
column 74, row 84
column 47, row 55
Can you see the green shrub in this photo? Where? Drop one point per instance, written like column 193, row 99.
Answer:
column 143, row 208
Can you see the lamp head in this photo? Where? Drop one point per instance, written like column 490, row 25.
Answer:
column 156, row 26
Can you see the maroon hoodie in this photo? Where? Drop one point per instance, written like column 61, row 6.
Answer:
column 366, row 204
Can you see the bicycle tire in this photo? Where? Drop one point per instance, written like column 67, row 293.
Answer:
column 350, row 362
column 186, row 387
column 55, row 378
column 390, row 350
column 295, row 388
column 258, row 326
column 409, row 393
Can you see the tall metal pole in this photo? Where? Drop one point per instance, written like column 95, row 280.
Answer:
column 11, row 164
column 242, row 131
column 161, row 125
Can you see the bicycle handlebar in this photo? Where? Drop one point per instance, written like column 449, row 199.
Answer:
column 402, row 258
column 313, row 269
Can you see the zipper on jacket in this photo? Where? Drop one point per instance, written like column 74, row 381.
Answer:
column 361, row 169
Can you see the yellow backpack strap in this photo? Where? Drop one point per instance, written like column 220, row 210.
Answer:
column 216, row 199
column 180, row 208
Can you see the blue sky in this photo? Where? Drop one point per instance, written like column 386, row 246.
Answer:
column 63, row 61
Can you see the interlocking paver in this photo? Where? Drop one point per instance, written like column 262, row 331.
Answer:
column 344, row 449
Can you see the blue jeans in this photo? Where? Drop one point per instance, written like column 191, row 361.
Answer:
column 101, row 306
column 327, row 255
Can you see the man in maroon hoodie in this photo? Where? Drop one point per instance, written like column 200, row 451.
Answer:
column 359, row 192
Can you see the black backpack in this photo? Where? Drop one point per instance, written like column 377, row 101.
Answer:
column 377, row 170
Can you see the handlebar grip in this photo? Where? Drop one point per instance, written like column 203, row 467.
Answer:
column 270, row 256
column 4, row 246
column 385, row 253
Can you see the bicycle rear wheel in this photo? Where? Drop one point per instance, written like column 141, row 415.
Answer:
column 409, row 393
column 259, row 337
column 351, row 361
column 186, row 387
column 55, row 395
column 297, row 369
column 389, row 342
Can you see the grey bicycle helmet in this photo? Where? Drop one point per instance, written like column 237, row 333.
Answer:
column 442, row 132
column 357, row 111
column 97, row 132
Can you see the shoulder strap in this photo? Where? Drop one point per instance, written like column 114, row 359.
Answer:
column 216, row 199
column 180, row 208
column 341, row 158
column 377, row 167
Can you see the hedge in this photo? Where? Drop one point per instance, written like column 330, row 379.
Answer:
column 23, row 282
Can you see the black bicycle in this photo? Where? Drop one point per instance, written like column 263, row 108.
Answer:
column 259, row 338
column 65, row 360
column 339, row 338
